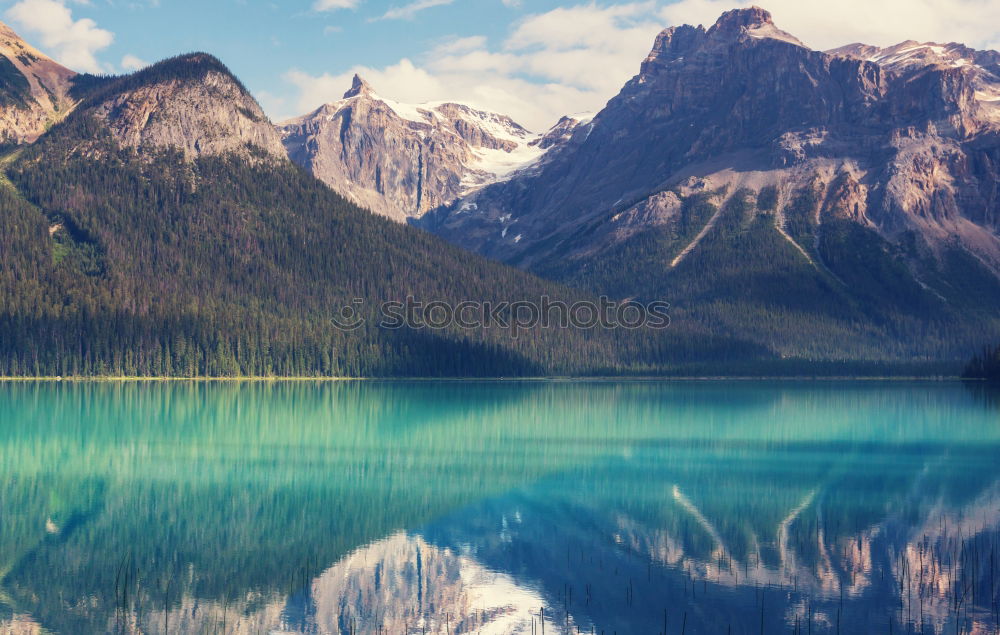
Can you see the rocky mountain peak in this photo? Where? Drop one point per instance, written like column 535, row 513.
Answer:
column 359, row 87
column 749, row 24
column 402, row 160
column 737, row 27
column 191, row 103
column 968, row 79
column 856, row 50
column 563, row 131
column 736, row 20
column 916, row 126
column 7, row 34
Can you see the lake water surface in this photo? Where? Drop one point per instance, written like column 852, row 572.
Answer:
column 499, row 507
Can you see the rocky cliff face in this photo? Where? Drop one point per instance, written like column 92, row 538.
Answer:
column 904, row 141
column 190, row 103
column 34, row 90
column 910, row 60
column 401, row 160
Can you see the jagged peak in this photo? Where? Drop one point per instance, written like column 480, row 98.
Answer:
column 359, row 87
column 854, row 50
column 35, row 85
column 911, row 54
column 738, row 19
column 754, row 22
column 737, row 25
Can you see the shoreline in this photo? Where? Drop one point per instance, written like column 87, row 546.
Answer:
column 553, row 379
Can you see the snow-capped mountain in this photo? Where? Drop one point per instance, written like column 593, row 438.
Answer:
column 902, row 139
column 401, row 160
column 752, row 181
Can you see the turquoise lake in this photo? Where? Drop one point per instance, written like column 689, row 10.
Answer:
column 499, row 507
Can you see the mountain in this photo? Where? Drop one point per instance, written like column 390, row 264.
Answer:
column 981, row 69
column 160, row 229
column 34, row 90
column 829, row 205
column 801, row 211
column 401, row 160
column 190, row 103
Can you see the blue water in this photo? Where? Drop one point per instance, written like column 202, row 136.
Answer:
column 499, row 507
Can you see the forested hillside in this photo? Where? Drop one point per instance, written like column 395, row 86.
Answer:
column 115, row 264
column 118, row 261
column 848, row 294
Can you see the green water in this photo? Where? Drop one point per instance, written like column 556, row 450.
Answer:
column 495, row 507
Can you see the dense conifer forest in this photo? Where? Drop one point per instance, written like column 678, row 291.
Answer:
column 848, row 294
column 985, row 365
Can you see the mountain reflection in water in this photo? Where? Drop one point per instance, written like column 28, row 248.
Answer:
column 436, row 507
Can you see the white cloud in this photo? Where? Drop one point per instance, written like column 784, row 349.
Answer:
column 407, row 12
column 564, row 61
column 589, row 47
column 271, row 103
column 825, row 25
column 460, row 45
column 408, row 83
column 528, row 102
column 333, row 5
column 132, row 63
column 73, row 43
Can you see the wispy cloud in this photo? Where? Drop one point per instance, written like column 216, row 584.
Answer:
column 333, row 5
column 132, row 63
column 407, row 12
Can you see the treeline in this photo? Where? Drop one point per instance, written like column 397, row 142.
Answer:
column 985, row 365
column 93, row 89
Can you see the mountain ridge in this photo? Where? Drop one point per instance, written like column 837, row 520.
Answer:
column 403, row 160
column 191, row 103
column 34, row 89
column 811, row 147
column 788, row 145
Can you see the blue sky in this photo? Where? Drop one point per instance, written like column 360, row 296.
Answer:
column 533, row 59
